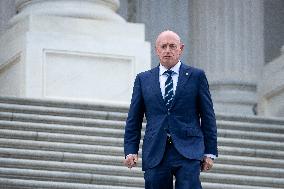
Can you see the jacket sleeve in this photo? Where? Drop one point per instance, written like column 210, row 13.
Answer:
column 207, row 116
column 134, row 120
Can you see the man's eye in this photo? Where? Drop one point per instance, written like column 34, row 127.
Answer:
column 164, row 46
column 172, row 46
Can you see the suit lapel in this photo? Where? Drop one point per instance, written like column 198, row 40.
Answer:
column 156, row 86
column 184, row 74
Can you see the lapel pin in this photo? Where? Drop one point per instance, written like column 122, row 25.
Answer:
column 186, row 73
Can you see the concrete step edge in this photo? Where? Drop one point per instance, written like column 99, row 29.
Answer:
column 251, row 119
column 135, row 181
column 112, row 150
column 64, row 112
column 258, row 144
column 117, row 160
column 24, row 125
column 121, row 108
column 75, row 104
column 116, row 141
column 62, row 137
column 121, row 170
column 36, row 184
column 250, row 161
column 242, row 180
column 114, row 131
column 59, row 156
column 250, row 152
column 61, row 147
column 225, row 133
column 8, row 116
column 88, row 168
column 86, row 178
column 32, row 184
column 247, row 126
column 64, row 129
column 207, row 185
column 87, row 121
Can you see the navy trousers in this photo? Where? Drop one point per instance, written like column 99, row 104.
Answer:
column 186, row 172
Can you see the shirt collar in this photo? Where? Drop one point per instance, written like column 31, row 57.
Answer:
column 175, row 69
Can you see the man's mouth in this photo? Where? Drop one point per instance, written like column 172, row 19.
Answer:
column 167, row 56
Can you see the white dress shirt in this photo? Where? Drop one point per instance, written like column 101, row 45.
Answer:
column 163, row 77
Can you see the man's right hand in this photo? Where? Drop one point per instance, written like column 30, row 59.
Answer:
column 131, row 160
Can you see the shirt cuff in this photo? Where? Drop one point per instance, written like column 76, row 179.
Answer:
column 210, row 156
column 129, row 155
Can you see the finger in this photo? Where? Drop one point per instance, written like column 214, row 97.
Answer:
column 136, row 158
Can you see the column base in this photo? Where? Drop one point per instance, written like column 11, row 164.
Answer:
column 71, row 58
column 234, row 98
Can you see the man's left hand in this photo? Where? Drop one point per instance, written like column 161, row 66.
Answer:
column 207, row 164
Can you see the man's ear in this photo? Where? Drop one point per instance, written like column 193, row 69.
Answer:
column 182, row 47
column 156, row 49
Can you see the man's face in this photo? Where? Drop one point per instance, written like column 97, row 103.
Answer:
column 169, row 49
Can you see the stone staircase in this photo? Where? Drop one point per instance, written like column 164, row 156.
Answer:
column 63, row 145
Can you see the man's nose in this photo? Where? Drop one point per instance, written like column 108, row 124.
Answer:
column 168, row 49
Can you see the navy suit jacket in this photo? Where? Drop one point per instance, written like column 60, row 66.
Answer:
column 191, row 120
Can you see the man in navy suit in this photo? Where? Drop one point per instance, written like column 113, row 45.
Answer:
column 181, row 135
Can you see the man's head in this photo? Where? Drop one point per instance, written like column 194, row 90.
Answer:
column 169, row 48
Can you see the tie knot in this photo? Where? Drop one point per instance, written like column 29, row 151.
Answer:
column 169, row 73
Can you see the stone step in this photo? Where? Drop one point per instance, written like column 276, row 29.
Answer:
column 87, row 122
column 32, row 184
column 117, row 160
column 251, row 119
column 118, row 151
column 250, row 161
column 60, row 156
column 123, row 108
column 8, row 183
column 59, row 176
column 119, row 132
column 90, row 168
column 251, row 127
column 112, row 141
column 225, row 128
column 94, row 114
column 65, row 104
column 60, row 137
column 66, row 112
column 61, row 147
column 247, row 143
column 243, row 180
column 252, row 135
column 67, row 129
column 132, row 181
column 250, row 152
column 248, row 170
column 207, row 185
column 120, row 170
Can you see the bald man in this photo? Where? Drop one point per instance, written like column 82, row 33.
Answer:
column 181, row 135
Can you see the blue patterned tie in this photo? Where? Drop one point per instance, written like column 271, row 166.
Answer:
column 169, row 89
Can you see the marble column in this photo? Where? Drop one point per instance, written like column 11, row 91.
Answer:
column 227, row 42
column 72, row 49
